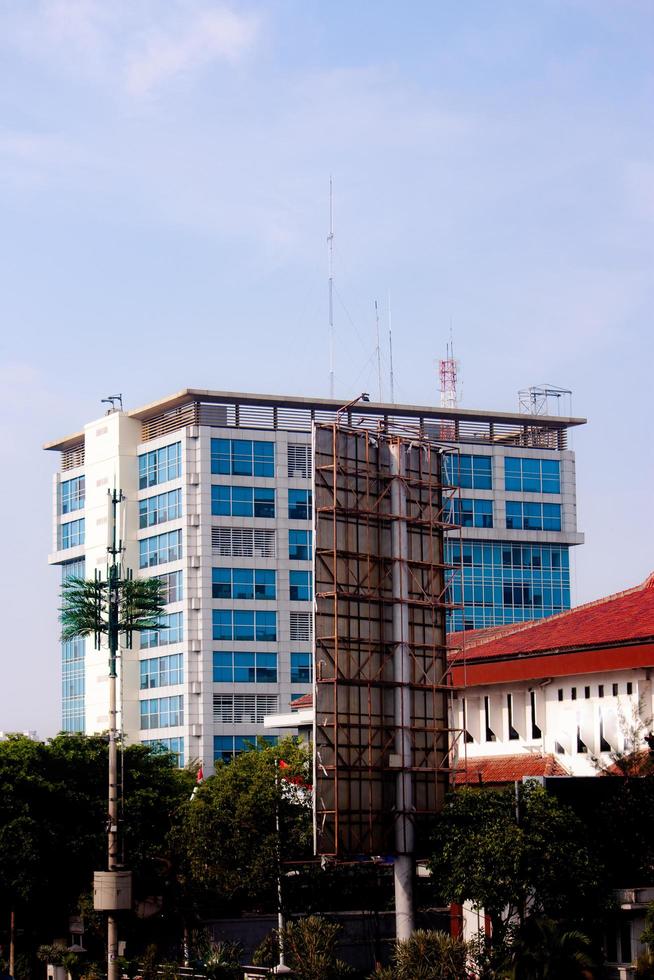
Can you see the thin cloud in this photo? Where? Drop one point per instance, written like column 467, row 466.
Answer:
column 212, row 35
column 108, row 41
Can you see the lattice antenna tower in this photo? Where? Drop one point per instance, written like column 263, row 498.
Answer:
column 544, row 399
column 447, row 373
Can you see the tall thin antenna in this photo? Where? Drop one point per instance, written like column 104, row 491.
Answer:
column 448, row 372
column 390, row 348
column 379, row 370
column 330, row 246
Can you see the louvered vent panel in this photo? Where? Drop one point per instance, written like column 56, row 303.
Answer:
column 243, row 709
column 264, row 543
column 243, row 542
column 299, row 460
column 177, row 418
column 73, row 457
column 301, row 627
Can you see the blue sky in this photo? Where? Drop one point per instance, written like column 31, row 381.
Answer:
column 164, row 170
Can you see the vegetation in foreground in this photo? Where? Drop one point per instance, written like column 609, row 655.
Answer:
column 542, row 871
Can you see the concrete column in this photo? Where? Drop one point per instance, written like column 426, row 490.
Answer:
column 404, row 828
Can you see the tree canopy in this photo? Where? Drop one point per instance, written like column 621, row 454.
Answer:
column 517, row 857
column 225, row 840
column 53, row 823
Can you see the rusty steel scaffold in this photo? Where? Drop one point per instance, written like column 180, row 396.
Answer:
column 384, row 741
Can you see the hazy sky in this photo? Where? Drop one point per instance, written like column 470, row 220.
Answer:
column 164, row 171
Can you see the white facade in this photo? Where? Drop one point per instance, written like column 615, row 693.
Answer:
column 578, row 718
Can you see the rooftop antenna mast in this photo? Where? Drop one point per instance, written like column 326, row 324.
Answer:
column 379, row 370
column 330, row 245
column 448, row 370
column 390, row 348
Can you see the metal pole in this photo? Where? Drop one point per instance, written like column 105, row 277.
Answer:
column 12, row 941
column 330, row 244
column 281, row 967
column 404, row 827
column 113, row 854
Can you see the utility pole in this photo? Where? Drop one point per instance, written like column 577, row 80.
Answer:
column 118, row 605
column 113, row 853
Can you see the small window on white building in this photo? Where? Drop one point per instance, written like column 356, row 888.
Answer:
column 490, row 734
column 535, row 730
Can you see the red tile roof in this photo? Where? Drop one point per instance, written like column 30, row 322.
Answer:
column 498, row 769
column 305, row 701
column 617, row 619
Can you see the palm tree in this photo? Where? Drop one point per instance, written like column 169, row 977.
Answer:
column 546, row 950
column 87, row 607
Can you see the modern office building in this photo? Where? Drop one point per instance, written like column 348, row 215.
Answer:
column 218, row 504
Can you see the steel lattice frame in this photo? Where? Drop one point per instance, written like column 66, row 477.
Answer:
column 355, row 687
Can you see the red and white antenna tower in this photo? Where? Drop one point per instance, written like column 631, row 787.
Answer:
column 447, row 372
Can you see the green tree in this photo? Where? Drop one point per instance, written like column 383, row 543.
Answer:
column 53, row 822
column 545, row 950
column 225, row 840
column 514, row 859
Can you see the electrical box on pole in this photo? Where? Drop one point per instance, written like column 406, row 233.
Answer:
column 112, row 891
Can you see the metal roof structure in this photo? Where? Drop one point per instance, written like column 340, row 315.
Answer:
column 250, row 410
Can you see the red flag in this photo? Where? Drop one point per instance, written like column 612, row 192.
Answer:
column 283, row 765
column 200, row 775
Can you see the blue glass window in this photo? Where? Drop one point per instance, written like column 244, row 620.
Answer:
column 301, row 668
column 72, row 534
column 521, row 515
column 72, row 494
column 171, row 630
column 162, row 671
column 532, row 475
column 242, row 457
column 157, row 510
column 243, row 583
column 162, row 712
column 469, row 513
column 244, row 668
column 160, row 465
column 173, row 745
column 173, row 586
column 506, row 582
column 301, row 586
column 225, row 747
column 467, row 471
column 244, row 625
column 160, row 549
column 72, row 684
column 72, row 666
column 242, row 501
column 299, row 505
column 300, row 545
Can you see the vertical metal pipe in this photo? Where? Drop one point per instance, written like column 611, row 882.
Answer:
column 113, row 854
column 112, row 833
column 281, row 924
column 404, row 827
column 12, row 941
